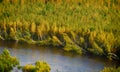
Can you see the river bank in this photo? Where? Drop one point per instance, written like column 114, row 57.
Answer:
column 75, row 26
column 58, row 59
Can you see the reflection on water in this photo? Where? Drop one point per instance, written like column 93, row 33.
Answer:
column 59, row 60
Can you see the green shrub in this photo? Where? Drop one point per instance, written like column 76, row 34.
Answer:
column 29, row 68
column 81, row 41
column 42, row 67
column 39, row 67
column 7, row 62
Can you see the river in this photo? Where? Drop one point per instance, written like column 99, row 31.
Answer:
column 58, row 60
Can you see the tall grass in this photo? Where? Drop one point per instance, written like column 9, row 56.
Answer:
column 90, row 25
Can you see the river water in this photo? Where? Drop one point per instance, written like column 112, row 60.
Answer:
column 58, row 60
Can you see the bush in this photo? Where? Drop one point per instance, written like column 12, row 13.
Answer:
column 42, row 67
column 7, row 62
column 39, row 67
column 29, row 68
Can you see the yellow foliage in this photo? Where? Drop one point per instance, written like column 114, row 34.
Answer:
column 19, row 25
column 109, row 42
column 67, row 39
column 92, row 36
column 73, row 35
column 22, row 2
column 45, row 26
column 33, row 28
column 61, row 30
column 14, row 26
column 96, row 49
column 54, row 28
column 3, row 26
column 101, row 36
column 73, row 47
column 29, row 68
column 39, row 31
column 70, row 45
column 81, row 40
column 10, row 24
column 110, row 69
column 42, row 29
column 12, row 33
column 73, row 17
column 25, row 25
column 95, row 46
column 67, row 29
column 56, row 41
column 42, row 66
column 39, row 67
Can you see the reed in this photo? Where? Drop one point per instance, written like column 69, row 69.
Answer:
column 90, row 25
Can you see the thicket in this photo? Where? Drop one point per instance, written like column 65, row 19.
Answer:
column 76, row 25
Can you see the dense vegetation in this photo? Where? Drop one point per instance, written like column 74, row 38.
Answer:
column 7, row 62
column 76, row 25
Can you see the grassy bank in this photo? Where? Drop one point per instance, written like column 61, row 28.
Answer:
column 78, row 26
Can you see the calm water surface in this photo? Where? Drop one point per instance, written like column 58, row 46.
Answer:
column 59, row 60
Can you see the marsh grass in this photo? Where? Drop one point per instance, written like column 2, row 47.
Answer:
column 74, row 24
